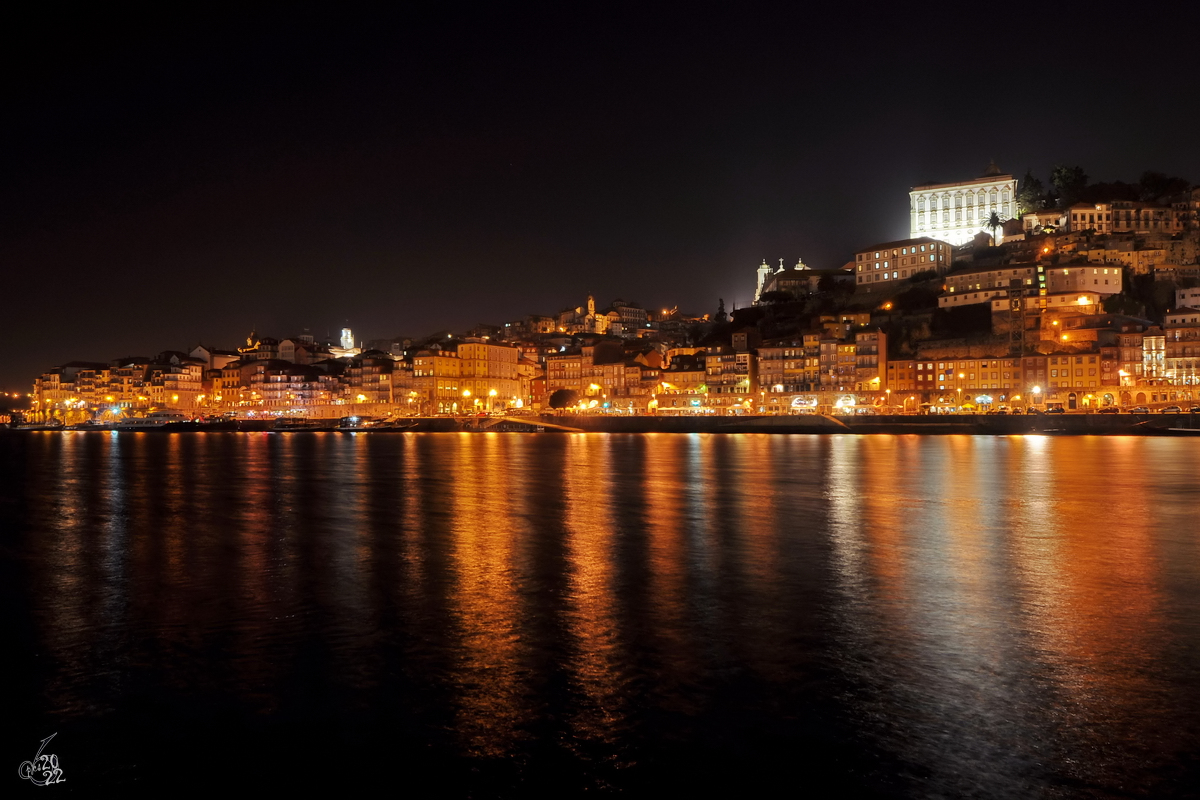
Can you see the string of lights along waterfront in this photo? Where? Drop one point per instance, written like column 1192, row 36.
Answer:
column 517, row 615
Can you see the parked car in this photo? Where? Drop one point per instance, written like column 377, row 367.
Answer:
column 1171, row 410
column 1139, row 410
column 1109, row 410
column 1056, row 410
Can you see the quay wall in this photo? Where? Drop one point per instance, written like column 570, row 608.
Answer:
column 974, row 424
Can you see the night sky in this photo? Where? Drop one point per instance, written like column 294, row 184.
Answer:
column 170, row 181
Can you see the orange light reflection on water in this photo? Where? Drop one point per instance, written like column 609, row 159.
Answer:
column 590, row 610
column 484, row 606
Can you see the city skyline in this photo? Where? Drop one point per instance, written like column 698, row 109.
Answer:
column 429, row 172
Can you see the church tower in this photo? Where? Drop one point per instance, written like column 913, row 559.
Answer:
column 764, row 274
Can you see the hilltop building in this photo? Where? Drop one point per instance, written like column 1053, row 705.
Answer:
column 957, row 212
column 798, row 280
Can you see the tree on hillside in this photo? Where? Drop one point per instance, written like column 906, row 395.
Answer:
column 1155, row 186
column 1123, row 304
column 1156, row 297
column 564, row 398
column 993, row 222
column 830, row 283
column 1032, row 195
column 1107, row 192
column 1069, row 183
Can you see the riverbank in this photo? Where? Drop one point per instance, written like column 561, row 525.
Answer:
column 968, row 424
column 941, row 424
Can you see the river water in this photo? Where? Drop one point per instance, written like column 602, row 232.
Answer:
column 515, row 615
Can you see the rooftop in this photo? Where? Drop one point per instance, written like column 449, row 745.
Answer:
column 900, row 243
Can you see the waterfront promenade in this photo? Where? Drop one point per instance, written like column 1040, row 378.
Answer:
column 1184, row 424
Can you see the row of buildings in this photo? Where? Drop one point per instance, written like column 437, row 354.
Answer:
column 957, row 213
column 1074, row 354
column 1040, row 285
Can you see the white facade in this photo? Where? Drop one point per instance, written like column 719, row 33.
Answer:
column 1084, row 278
column 765, row 275
column 956, row 212
column 1187, row 298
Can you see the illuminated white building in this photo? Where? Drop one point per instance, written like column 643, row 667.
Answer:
column 767, row 276
column 764, row 275
column 347, row 348
column 957, row 212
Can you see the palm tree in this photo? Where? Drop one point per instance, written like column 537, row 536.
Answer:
column 992, row 223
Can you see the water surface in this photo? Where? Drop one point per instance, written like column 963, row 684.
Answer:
column 515, row 614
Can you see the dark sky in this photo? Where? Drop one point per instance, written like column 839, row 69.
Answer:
column 171, row 180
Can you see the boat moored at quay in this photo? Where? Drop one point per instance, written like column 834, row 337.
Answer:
column 155, row 420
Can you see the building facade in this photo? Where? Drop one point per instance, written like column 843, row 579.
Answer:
column 883, row 267
column 956, row 212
